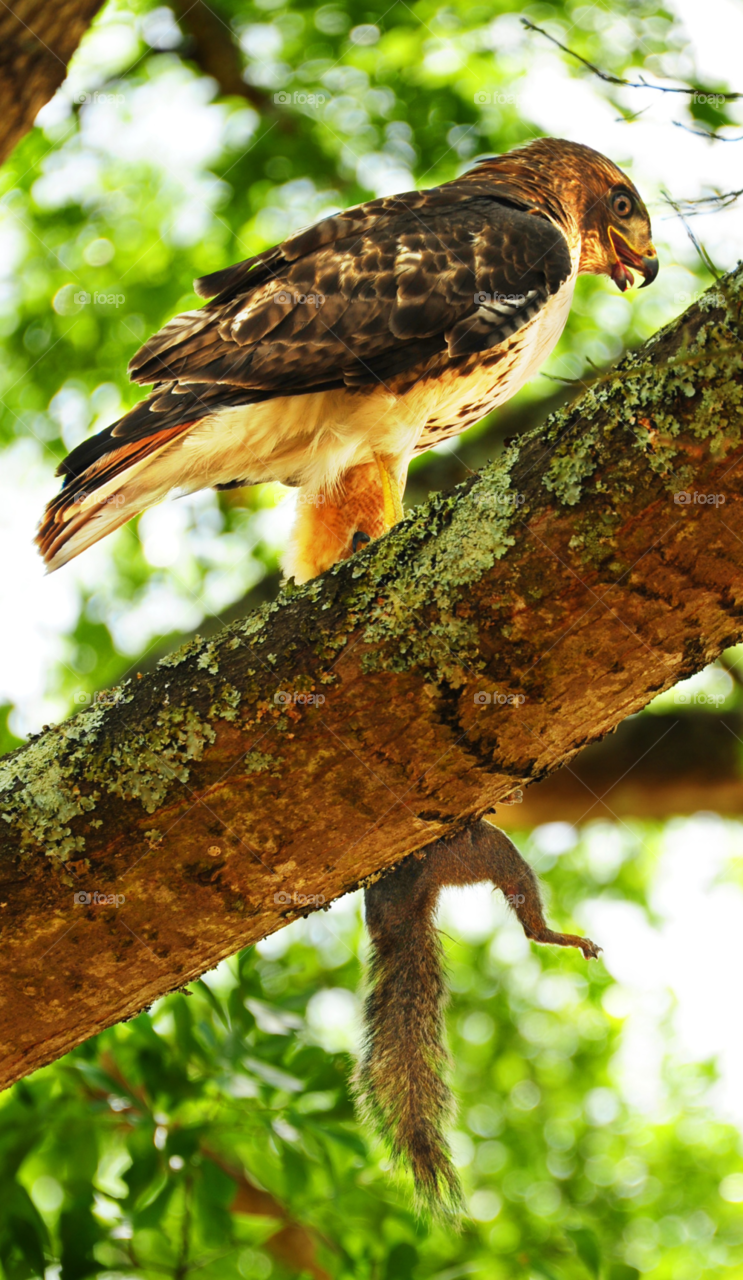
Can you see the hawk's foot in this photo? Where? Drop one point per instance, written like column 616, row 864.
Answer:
column 393, row 508
column 359, row 539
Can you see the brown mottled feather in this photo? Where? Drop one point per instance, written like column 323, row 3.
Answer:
column 374, row 319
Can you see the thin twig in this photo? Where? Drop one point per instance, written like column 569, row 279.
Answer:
column 631, row 116
column 705, row 133
column 718, row 201
column 709, row 204
column 703, row 254
column 612, row 79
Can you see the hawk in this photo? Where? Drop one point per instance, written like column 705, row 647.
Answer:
column 329, row 361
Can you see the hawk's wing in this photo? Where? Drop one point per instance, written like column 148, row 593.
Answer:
column 361, row 297
column 338, row 305
column 381, row 293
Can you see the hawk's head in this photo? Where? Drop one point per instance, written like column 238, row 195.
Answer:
column 616, row 238
column 585, row 193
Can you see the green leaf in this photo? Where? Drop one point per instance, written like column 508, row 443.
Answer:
column 146, row 1166
column 78, row 1232
column 29, row 1243
column 401, row 1262
column 587, row 1246
column 23, row 1234
column 152, row 1212
column 213, row 1000
column 344, row 1137
column 295, row 1170
column 184, row 1141
column 8, row 740
column 541, row 1268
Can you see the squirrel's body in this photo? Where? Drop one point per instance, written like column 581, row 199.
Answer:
column 400, row 1080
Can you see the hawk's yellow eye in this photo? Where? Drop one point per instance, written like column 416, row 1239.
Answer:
column 622, row 205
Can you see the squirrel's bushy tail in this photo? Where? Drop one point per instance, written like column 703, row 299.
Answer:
column 400, row 1082
column 401, row 1079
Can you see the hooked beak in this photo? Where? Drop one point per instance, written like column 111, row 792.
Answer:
column 626, row 257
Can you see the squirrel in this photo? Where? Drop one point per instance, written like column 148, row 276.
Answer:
column 400, row 1082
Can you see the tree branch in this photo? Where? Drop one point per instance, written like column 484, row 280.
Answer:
column 216, row 54
column 37, row 40
column 654, row 766
column 255, row 776
column 609, row 78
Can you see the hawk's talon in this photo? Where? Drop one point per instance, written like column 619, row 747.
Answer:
column 359, row 539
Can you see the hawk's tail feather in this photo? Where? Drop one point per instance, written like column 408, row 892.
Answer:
column 105, row 494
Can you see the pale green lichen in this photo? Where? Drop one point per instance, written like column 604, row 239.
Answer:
column 407, row 596
column 207, row 659
column 50, row 800
column 143, row 766
column 41, row 784
column 569, row 466
column 636, row 396
column 225, row 706
column 457, row 539
column 260, row 762
column 178, row 656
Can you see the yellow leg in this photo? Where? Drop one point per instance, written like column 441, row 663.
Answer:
column 393, row 509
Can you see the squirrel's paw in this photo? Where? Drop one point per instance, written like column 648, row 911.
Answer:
column 590, row 949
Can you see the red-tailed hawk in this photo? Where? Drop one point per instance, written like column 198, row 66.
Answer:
column 328, row 361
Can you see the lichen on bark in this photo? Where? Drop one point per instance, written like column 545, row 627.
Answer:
column 475, row 649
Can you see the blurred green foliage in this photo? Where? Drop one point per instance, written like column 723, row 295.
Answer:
column 117, row 1160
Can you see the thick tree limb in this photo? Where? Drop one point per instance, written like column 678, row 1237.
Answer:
column 654, row 766
column 37, row 40
column 565, row 583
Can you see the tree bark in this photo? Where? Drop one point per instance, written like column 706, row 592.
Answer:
column 37, row 40
column 257, row 775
